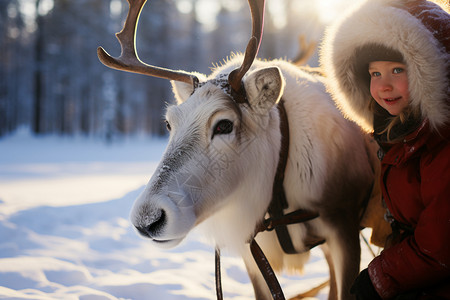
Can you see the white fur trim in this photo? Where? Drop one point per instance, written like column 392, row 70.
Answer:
column 385, row 22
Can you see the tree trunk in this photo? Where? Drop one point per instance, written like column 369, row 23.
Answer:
column 38, row 76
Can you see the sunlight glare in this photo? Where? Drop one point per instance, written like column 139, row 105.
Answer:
column 27, row 8
column 278, row 13
column 115, row 7
column 45, row 6
column 233, row 5
column 206, row 11
column 28, row 11
column 184, row 6
column 329, row 10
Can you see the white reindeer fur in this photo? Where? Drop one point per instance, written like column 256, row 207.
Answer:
column 234, row 200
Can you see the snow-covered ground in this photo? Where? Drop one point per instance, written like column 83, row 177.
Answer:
column 65, row 233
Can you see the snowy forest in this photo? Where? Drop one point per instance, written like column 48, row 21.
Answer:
column 51, row 81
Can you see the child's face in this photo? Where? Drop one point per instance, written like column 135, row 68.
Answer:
column 389, row 85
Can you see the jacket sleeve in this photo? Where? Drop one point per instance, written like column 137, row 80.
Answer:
column 423, row 259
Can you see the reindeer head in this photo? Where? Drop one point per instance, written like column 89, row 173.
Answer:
column 219, row 126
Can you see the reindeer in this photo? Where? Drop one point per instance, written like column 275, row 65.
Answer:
column 223, row 153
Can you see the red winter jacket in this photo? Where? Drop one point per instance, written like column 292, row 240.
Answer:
column 415, row 176
column 415, row 182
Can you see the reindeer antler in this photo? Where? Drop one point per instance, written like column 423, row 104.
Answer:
column 129, row 60
column 305, row 51
column 257, row 11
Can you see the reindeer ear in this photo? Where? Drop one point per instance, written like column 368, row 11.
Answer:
column 264, row 88
column 183, row 90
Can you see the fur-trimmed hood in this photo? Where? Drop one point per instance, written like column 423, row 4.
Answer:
column 401, row 25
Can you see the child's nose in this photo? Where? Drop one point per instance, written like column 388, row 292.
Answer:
column 386, row 85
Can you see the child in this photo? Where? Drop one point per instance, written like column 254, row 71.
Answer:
column 388, row 63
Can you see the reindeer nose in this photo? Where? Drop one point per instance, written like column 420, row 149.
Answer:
column 154, row 227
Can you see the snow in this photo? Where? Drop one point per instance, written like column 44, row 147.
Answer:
column 65, row 233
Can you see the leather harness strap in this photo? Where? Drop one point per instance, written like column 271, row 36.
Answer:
column 278, row 220
column 279, row 202
column 295, row 217
column 218, row 276
column 266, row 271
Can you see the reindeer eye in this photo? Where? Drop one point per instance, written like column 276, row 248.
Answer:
column 223, row 127
column 168, row 125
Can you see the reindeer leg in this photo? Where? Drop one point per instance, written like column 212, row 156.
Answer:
column 345, row 255
column 332, row 295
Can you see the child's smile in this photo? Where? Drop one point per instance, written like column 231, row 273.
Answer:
column 389, row 85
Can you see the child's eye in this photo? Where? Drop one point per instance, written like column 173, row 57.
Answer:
column 398, row 70
column 375, row 74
